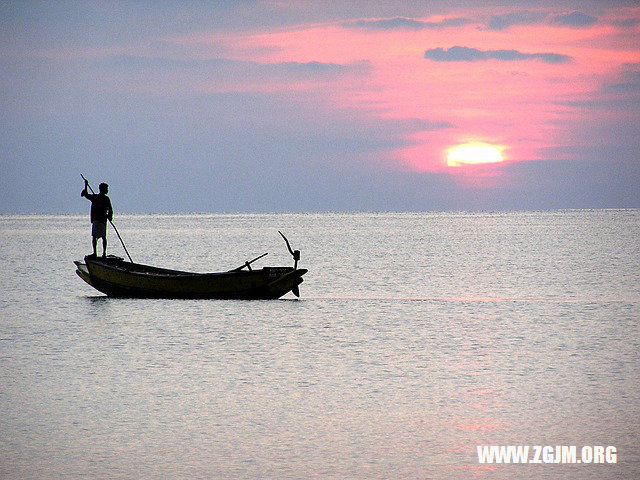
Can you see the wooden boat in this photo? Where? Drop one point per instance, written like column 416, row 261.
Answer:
column 118, row 278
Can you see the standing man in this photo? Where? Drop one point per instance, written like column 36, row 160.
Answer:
column 101, row 211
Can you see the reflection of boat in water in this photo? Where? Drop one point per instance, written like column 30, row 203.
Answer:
column 118, row 278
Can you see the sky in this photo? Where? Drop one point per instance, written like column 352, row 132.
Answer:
column 340, row 105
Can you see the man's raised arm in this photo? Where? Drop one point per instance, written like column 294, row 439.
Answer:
column 84, row 192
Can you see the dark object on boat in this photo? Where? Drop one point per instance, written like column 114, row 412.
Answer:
column 118, row 278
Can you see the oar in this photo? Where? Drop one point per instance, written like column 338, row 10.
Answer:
column 114, row 227
column 248, row 264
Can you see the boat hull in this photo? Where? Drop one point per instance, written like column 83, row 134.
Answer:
column 117, row 278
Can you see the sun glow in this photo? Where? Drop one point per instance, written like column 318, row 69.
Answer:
column 474, row 153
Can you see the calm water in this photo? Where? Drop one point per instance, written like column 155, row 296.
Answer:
column 417, row 338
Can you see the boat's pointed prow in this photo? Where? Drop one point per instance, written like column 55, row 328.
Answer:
column 83, row 272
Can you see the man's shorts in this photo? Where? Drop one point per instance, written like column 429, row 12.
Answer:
column 98, row 230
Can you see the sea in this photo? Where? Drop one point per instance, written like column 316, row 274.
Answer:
column 421, row 344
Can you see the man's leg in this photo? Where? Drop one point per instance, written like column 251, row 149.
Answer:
column 94, row 244
column 104, row 246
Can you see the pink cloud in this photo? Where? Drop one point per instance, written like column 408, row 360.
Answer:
column 500, row 99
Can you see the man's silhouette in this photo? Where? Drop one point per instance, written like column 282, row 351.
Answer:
column 101, row 211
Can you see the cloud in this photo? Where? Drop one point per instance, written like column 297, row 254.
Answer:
column 313, row 68
column 629, row 83
column 402, row 23
column 402, row 127
column 430, row 126
column 466, row 54
column 574, row 20
column 621, row 94
column 181, row 75
column 626, row 22
column 501, row 22
column 321, row 69
column 618, row 103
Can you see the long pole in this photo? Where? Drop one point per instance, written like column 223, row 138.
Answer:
column 114, row 227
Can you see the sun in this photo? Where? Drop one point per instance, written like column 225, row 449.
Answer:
column 474, row 153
